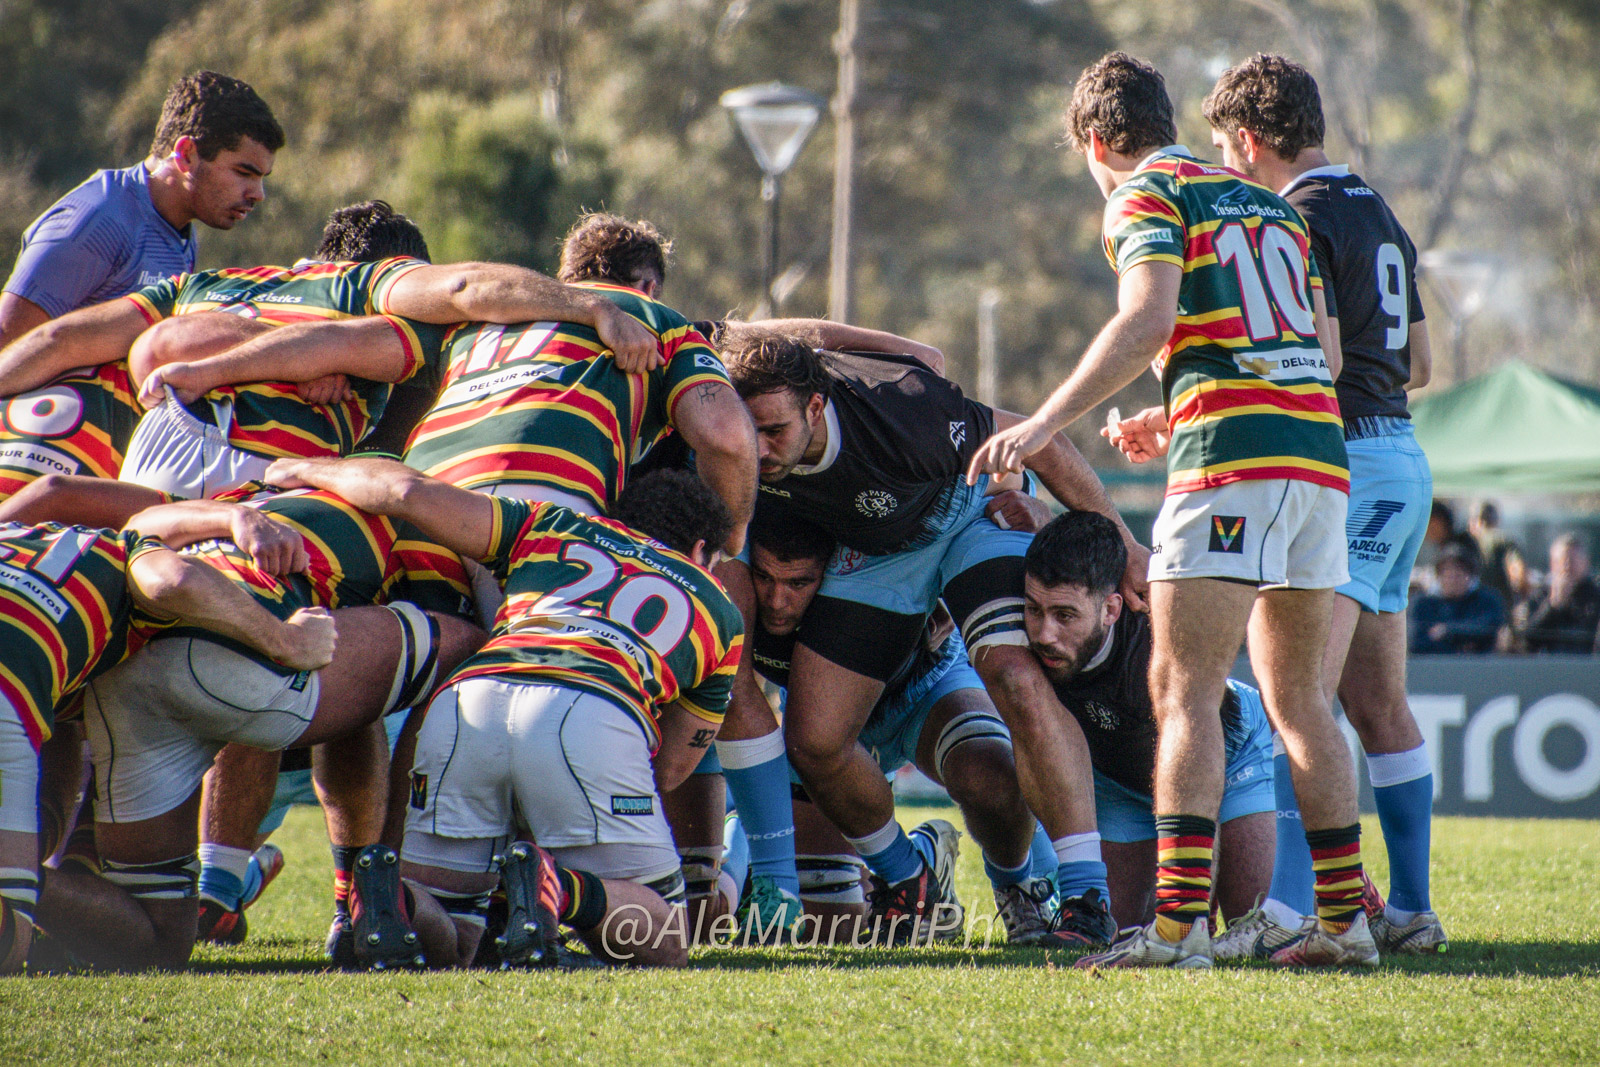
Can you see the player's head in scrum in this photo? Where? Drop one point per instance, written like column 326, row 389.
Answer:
column 784, row 384
column 1070, row 598
column 787, row 562
column 602, row 247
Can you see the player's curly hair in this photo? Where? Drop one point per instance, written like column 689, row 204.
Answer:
column 1080, row 548
column 218, row 112
column 791, row 540
column 1274, row 98
column 763, row 363
column 1125, row 101
column 609, row 248
column 370, row 231
column 676, row 508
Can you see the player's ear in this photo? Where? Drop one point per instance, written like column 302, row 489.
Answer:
column 706, row 557
column 1097, row 147
column 1249, row 144
column 814, row 408
column 185, row 153
column 1111, row 610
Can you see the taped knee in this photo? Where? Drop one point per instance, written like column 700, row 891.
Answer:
column 968, row 726
column 469, row 908
column 830, row 879
column 19, row 892
column 174, row 879
column 700, row 866
column 992, row 624
column 671, row 887
column 419, row 657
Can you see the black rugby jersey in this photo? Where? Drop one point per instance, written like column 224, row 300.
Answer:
column 772, row 653
column 1112, row 704
column 1370, row 265
column 893, row 477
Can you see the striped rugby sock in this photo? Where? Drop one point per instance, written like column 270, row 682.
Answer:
column 1184, row 848
column 1336, row 864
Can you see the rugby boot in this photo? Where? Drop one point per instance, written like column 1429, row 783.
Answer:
column 1315, row 947
column 923, row 908
column 340, row 946
column 533, row 902
column 767, row 915
column 1083, row 921
column 1141, row 946
column 1423, row 935
column 222, row 926
column 379, row 918
column 1255, row 935
column 1027, row 909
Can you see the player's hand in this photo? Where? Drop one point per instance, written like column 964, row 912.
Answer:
column 1012, row 510
column 633, row 347
column 1004, row 452
column 276, row 548
column 178, row 377
column 328, row 389
column 1141, row 438
column 308, row 640
column 1135, row 584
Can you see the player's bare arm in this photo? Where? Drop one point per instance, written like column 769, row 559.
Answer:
column 499, row 292
column 186, row 338
column 1327, row 335
column 1421, row 356
column 189, row 590
column 87, row 337
column 716, row 424
column 842, row 337
column 685, row 738
column 367, row 347
column 1147, row 303
column 18, row 315
column 276, row 548
column 78, row 500
column 458, row 519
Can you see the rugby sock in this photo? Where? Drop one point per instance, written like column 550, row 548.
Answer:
column 890, row 854
column 1184, row 849
column 757, row 772
column 344, row 862
column 1291, row 860
column 583, row 898
column 1005, row 877
column 223, row 873
column 80, row 848
column 1336, row 864
column 1402, row 789
column 1079, row 867
column 735, row 851
column 1043, row 854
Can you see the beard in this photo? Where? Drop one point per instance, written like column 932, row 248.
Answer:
column 1085, row 652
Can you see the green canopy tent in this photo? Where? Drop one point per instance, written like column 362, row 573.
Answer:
column 1515, row 429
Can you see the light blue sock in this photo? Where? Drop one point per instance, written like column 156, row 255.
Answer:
column 225, row 874
column 1042, row 854
column 891, row 854
column 1292, row 883
column 735, row 851
column 1079, row 867
column 757, row 771
column 1005, row 877
column 1402, row 789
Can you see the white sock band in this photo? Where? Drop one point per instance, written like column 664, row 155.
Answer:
column 737, row 755
column 876, row 841
column 1078, row 848
column 236, row 861
column 1395, row 768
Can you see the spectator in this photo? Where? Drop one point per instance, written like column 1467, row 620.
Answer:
column 1441, row 532
column 1464, row 616
column 1566, row 617
column 1495, row 548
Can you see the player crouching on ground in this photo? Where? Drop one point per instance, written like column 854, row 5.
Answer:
column 603, row 683
column 1097, row 657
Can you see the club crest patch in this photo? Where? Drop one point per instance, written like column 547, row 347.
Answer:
column 1227, row 534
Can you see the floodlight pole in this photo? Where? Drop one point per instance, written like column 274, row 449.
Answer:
column 771, row 192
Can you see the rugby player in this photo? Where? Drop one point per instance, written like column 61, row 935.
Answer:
column 1266, row 118
column 122, row 230
column 156, row 721
column 1217, row 286
column 1098, row 658
column 68, row 595
column 603, row 683
column 873, row 450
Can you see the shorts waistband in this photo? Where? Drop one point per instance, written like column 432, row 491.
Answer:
column 1376, row 426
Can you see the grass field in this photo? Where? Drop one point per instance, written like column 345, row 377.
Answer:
column 1521, row 985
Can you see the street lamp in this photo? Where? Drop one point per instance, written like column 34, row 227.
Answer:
column 775, row 119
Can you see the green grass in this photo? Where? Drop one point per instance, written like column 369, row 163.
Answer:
column 1520, row 985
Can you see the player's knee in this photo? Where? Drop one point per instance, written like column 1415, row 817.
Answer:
column 981, row 774
column 167, row 893
column 1013, row 679
column 813, row 754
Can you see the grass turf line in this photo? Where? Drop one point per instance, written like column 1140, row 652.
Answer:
column 1521, row 985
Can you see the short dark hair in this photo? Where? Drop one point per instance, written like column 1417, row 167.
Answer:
column 791, row 540
column 218, row 112
column 370, row 231
column 1125, row 101
column 1459, row 554
column 760, row 364
column 1440, row 510
column 1078, row 548
column 609, row 248
column 1274, row 98
column 675, row 508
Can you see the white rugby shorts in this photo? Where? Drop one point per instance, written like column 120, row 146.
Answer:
column 1276, row 533
column 175, row 452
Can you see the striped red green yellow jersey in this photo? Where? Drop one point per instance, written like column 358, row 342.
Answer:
column 1248, row 392
column 356, row 559
column 538, row 402
column 595, row 606
column 269, row 418
column 78, row 424
column 64, row 614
